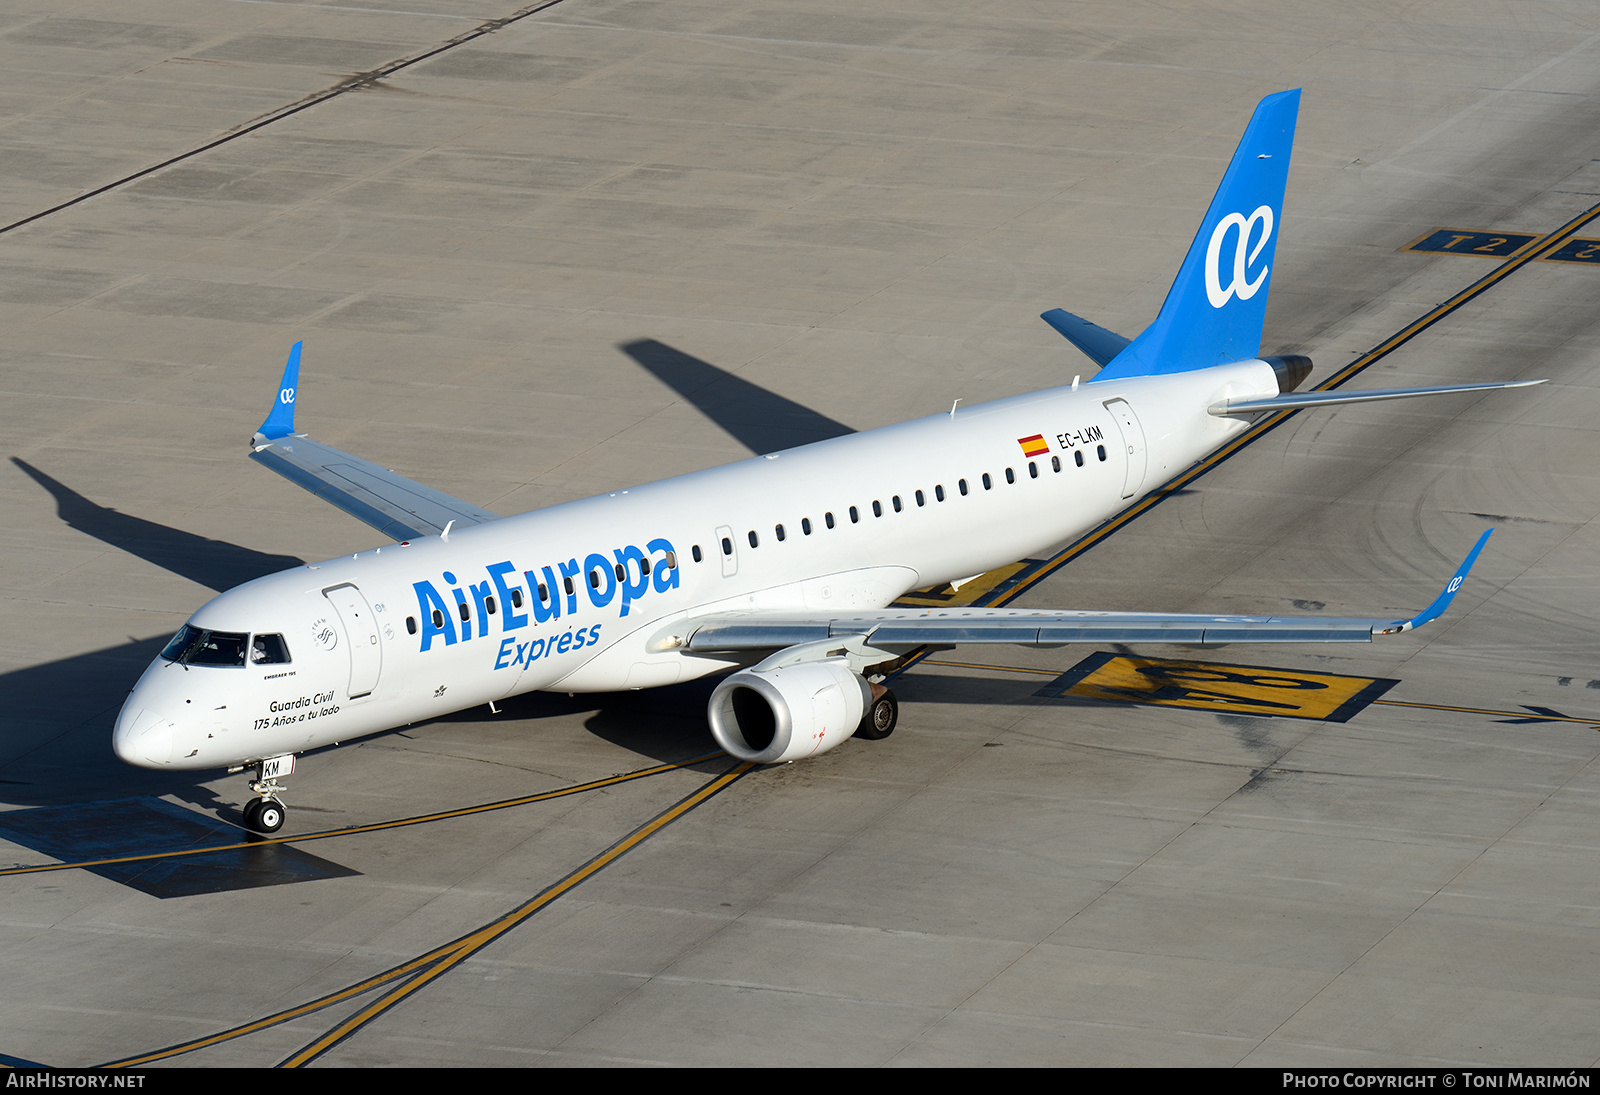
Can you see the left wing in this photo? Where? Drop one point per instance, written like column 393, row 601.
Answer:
column 900, row 630
column 392, row 504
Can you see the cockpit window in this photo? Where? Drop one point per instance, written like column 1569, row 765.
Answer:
column 197, row 646
column 269, row 650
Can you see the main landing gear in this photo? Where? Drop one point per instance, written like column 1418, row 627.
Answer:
column 882, row 714
column 266, row 814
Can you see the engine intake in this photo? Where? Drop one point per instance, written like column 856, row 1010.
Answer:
column 774, row 715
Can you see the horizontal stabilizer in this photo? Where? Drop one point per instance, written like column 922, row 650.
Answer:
column 1098, row 343
column 1292, row 400
column 392, row 504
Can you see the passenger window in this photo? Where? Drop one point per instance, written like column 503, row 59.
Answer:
column 1055, row 463
column 594, row 580
column 988, row 484
column 805, row 525
column 962, row 485
column 411, row 625
column 896, row 501
column 567, row 581
column 877, row 508
column 694, row 550
column 462, row 606
column 622, row 573
column 777, row 531
column 921, row 501
column 544, row 592
column 1011, row 476
column 1033, row 470
column 1100, row 451
column 672, row 560
column 270, row 649
column 855, row 515
column 438, row 620
column 753, row 541
column 516, row 598
column 488, row 602
column 727, row 546
column 644, row 568
column 827, row 518
column 938, row 492
column 1077, row 458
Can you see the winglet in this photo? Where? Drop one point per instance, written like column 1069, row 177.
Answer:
column 280, row 423
column 1442, row 602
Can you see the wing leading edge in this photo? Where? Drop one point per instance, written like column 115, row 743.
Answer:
column 900, row 630
column 1297, row 400
column 392, row 504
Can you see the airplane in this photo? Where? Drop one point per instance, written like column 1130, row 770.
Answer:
column 779, row 567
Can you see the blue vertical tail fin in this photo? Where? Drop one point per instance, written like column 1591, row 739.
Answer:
column 1214, row 310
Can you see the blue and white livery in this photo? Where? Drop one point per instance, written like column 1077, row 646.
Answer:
column 779, row 567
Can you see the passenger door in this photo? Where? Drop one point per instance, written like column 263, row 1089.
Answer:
column 1133, row 447
column 360, row 628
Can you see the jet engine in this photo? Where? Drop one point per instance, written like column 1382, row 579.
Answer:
column 776, row 715
column 1290, row 369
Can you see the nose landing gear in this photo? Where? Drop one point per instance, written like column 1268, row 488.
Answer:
column 266, row 814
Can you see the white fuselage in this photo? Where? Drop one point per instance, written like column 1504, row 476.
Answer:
column 407, row 632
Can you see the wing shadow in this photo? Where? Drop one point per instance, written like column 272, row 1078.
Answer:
column 760, row 420
column 215, row 564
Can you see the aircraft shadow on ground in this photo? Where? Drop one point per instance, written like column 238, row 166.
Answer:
column 760, row 420
column 659, row 724
column 55, row 745
column 55, row 742
column 56, row 737
column 215, row 564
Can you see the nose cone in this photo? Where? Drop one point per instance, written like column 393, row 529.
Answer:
column 143, row 738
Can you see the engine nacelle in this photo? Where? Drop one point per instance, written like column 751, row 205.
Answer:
column 1290, row 369
column 774, row 715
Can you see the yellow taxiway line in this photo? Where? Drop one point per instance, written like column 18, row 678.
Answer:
column 440, row 959
column 377, row 826
column 487, row 934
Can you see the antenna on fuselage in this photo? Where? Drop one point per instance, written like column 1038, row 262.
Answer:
column 445, row 535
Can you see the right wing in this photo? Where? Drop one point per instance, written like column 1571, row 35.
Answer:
column 901, row 630
column 392, row 504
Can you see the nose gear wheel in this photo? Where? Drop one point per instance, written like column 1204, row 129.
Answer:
column 267, row 813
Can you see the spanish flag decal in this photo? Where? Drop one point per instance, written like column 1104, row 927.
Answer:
column 1033, row 446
